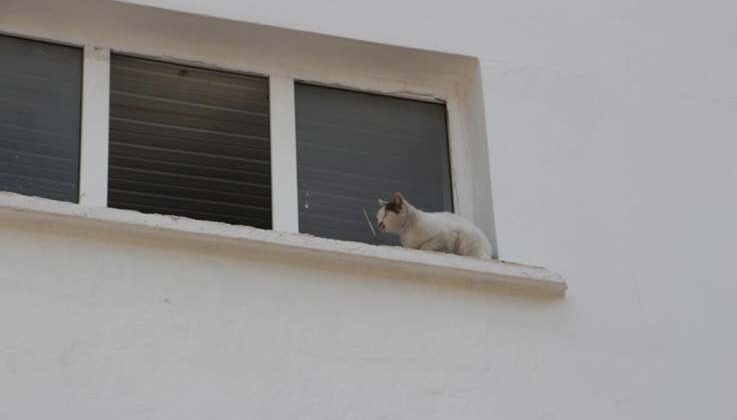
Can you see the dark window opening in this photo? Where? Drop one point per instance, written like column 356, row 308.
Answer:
column 190, row 142
column 40, row 118
column 353, row 148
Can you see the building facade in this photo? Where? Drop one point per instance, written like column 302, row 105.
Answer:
column 595, row 139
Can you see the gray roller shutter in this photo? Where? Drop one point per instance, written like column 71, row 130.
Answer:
column 40, row 113
column 189, row 141
column 353, row 148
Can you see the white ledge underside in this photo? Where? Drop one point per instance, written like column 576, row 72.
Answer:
column 521, row 278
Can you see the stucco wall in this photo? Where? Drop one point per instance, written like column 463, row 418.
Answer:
column 612, row 130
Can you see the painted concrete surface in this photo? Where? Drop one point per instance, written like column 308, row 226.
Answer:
column 522, row 278
column 100, row 322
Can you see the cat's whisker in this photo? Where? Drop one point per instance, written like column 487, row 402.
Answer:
column 369, row 222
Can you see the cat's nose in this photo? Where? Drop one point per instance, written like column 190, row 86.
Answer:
column 381, row 225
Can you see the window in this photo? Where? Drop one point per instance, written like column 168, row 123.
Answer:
column 189, row 141
column 353, row 148
column 40, row 118
column 207, row 139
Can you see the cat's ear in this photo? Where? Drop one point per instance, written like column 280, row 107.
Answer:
column 382, row 203
column 398, row 200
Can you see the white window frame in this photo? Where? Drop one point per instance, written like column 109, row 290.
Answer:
column 283, row 138
column 282, row 75
column 93, row 159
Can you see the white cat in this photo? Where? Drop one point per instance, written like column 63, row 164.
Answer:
column 442, row 232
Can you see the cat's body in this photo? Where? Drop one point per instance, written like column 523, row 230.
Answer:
column 441, row 232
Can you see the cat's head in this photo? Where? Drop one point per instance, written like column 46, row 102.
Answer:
column 392, row 214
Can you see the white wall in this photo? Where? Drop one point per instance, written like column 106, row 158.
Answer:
column 612, row 127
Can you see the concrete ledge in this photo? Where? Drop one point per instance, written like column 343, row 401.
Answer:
column 528, row 279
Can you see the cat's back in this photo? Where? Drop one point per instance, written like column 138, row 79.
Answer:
column 455, row 221
column 469, row 236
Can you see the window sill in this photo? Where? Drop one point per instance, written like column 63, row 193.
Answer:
column 520, row 278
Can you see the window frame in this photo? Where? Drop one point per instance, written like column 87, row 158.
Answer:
column 94, row 143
